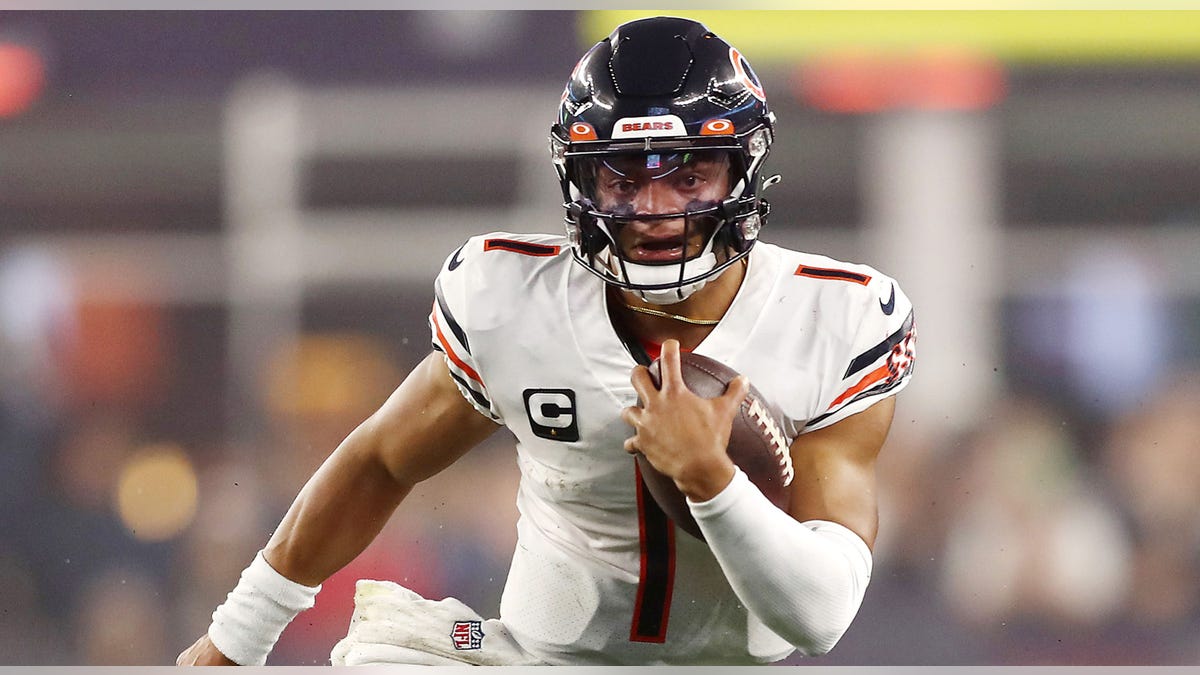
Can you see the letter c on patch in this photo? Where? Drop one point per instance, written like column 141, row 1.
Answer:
column 552, row 414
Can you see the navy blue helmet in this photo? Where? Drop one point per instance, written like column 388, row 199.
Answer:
column 664, row 91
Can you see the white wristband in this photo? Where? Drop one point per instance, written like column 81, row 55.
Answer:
column 246, row 626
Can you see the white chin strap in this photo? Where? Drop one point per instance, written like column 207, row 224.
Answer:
column 650, row 275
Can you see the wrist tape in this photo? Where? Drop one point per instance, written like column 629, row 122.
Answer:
column 246, row 626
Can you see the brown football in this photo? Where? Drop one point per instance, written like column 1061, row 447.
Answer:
column 756, row 442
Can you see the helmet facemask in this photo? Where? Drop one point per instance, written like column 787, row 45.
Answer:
column 651, row 95
column 662, row 246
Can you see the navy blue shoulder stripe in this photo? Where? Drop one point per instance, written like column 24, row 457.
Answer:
column 829, row 273
column 540, row 250
column 865, row 359
column 479, row 398
column 459, row 333
column 881, row 388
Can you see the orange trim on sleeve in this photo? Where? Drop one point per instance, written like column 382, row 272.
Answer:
column 874, row 377
column 470, row 372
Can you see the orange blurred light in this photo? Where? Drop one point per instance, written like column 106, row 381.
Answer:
column 953, row 79
column 926, row 79
column 22, row 78
column 845, row 82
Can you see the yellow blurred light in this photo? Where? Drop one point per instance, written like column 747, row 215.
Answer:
column 785, row 36
column 157, row 492
column 330, row 373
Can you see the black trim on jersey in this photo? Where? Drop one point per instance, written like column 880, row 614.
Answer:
column 652, row 607
column 632, row 344
column 826, row 273
column 656, row 578
column 450, row 322
column 635, row 348
column 540, row 250
column 479, row 398
column 862, row 361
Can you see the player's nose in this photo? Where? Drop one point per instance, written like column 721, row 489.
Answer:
column 658, row 198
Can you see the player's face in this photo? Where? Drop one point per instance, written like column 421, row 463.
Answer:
column 656, row 184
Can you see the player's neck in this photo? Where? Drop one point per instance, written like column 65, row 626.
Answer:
column 689, row 321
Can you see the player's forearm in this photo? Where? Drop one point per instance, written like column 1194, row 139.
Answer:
column 805, row 581
column 337, row 514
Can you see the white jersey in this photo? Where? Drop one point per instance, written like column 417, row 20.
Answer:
column 599, row 575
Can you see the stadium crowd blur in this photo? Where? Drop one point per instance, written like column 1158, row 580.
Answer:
column 1062, row 527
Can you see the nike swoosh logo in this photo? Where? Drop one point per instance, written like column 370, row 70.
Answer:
column 455, row 261
column 889, row 306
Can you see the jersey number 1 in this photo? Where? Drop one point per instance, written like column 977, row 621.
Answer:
column 656, row 580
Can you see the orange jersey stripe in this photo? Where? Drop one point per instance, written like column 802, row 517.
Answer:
column 470, row 372
column 831, row 273
column 873, row 377
column 654, row 349
column 523, row 247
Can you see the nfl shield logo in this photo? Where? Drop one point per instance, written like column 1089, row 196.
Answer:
column 467, row 634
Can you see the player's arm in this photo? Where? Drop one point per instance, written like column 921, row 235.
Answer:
column 423, row 427
column 804, row 573
column 835, row 471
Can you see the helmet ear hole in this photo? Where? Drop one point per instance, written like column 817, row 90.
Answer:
column 583, row 227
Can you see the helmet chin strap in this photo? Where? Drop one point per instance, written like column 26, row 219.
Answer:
column 652, row 275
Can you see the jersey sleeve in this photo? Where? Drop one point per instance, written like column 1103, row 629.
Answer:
column 879, row 360
column 456, row 289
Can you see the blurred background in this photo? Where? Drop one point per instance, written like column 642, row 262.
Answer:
column 218, row 233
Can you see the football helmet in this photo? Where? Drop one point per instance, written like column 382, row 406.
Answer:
column 662, row 93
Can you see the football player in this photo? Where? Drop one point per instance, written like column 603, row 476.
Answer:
column 660, row 140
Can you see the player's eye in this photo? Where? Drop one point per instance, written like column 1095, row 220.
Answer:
column 622, row 187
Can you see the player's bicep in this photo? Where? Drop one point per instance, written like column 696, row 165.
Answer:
column 426, row 424
column 835, row 470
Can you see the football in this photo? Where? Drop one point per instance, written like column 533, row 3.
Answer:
column 757, row 444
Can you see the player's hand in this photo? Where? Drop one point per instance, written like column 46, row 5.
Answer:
column 683, row 435
column 203, row 653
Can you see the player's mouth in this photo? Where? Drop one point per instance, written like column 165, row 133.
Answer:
column 658, row 249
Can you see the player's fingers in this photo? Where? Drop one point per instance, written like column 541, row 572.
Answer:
column 642, row 384
column 669, row 366
column 631, row 445
column 736, row 392
column 203, row 653
column 632, row 416
column 187, row 656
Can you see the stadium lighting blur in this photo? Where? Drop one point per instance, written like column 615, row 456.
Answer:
column 1037, row 35
column 22, row 78
column 329, row 374
column 860, row 81
column 157, row 492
